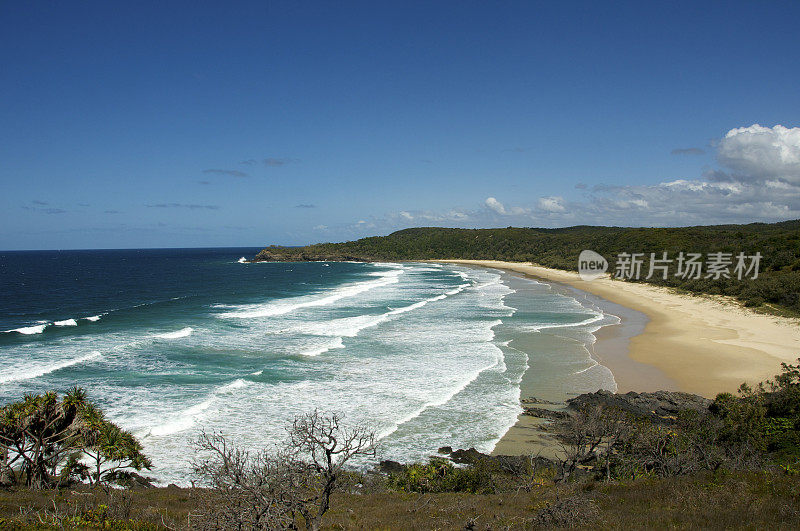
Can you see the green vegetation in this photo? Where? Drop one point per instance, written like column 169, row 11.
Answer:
column 43, row 438
column 756, row 430
column 732, row 464
column 439, row 475
column 777, row 287
column 729, row 500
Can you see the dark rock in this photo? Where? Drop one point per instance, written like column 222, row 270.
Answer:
column 389, row 466
column 470, row 456
column 445, row 450
column 511, row 464
column 141, row 482
column 534, row 400
column 542, row 413
column 661, row 406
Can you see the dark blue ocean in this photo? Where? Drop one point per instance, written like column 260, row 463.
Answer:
column 172, row 341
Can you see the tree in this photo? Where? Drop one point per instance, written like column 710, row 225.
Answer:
column 279, row 489
column 784, row 399
column 592, row 435
column 42, row 435
column 249, row 490
column 741, row 422
column 325, row 446
column 37, row 432
column 111, row 450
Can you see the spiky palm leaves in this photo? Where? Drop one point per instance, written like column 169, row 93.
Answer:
column 38, row 433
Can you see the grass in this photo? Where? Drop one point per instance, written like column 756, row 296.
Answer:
column 742, row 500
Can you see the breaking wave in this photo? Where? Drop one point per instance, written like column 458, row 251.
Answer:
column 287, row 306
column 183, row 332
column 36, row 371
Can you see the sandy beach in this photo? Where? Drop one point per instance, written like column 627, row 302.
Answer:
column 700, row 345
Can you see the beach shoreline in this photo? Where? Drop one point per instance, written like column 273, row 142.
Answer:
column 699, row 345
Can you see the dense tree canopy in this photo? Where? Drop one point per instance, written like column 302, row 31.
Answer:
column 777, row 285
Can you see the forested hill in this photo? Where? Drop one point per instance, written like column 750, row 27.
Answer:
column 777, row 285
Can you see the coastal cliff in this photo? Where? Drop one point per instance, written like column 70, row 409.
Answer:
column 304, row 254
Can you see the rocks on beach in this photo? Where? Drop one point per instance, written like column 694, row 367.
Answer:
column 659, row 406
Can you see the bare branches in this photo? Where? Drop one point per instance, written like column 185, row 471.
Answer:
column 614, row 445
column 254, row 488
column 329, row 445
column 265, row 490
column 592, row 434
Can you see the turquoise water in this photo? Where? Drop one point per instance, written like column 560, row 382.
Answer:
column 170, row 342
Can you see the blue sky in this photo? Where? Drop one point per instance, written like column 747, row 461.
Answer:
column 173, row 124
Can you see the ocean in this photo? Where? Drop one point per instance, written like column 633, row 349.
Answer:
column 170, row 342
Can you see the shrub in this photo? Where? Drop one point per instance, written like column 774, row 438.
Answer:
column 440, row 475
column 572, row 511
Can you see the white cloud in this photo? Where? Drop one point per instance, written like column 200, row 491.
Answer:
column 760, row 182
column 494, row 204
column 551, row 204
column 758, row 153
column 457, row 215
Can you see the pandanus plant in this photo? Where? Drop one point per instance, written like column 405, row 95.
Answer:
column 41, row 433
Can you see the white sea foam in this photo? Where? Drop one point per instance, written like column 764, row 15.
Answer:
column 351, row 326
column 29, row 330
column 183, row 421
column 188, row 417
column 414, row 370
column 593, row 363
column 289, row 305
column 183, row 332
column 457, row 289
column 325, row 348
column 236, row 384
column 445, row 398
column 66, row 322
column 537, row 327
column 36, row 371
column 242, row 260
column 402, row 377
column 93, row 318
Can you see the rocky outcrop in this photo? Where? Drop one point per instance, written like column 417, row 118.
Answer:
column 542, row 413
column 659, row 406
column 389, row 467
column 299, row 254
column 534, row 400
column 472, row 456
